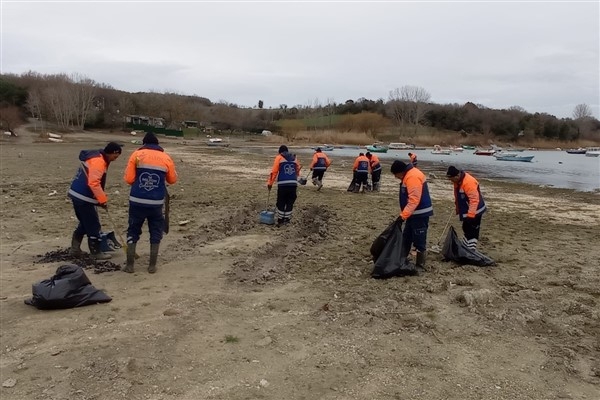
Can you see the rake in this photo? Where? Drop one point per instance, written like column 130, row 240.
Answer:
column 436, row 247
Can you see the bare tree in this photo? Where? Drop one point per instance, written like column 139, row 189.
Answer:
column 408, row 104
column 582, row 111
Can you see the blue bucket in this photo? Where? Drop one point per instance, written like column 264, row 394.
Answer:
column 267, row 217
column 109, row 242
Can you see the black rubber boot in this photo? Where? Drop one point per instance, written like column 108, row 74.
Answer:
column 75, row 249
column 421, row 258
column 95, row 251
column 153, row 257
column 130, row 258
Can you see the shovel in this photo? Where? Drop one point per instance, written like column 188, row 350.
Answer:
column 303, row 181
column 436, row 248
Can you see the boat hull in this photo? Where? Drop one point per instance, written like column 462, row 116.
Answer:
column 515, row 158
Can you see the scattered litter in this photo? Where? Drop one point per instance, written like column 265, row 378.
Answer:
column 181, row 223
column 52, row 193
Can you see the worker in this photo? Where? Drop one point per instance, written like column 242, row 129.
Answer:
column 285, row 172
column 413, row 159
column 375, row 170
column 361, row 169
column 148, row 171
column 318, row 166
column 87, row 192
column 415, row 210
column 469, row 203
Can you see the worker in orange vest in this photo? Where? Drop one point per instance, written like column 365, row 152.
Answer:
column 318, row 166
column 361, row 170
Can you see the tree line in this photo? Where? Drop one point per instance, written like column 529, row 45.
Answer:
column 76, row 102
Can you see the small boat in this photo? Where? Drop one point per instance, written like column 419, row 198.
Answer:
column 483, row 152
column 592, row 152
column 217, row 144
column 400, row 146
column 580, row 150
column 514, row 157
column 503, row 153
column 325, row 147
column 437, row 149
column 467, row 147
column 377, row 148
column 456, row 149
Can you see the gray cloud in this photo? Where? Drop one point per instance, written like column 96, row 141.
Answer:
column 542, row 56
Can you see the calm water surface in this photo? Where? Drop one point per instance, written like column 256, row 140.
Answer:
column 548, row 168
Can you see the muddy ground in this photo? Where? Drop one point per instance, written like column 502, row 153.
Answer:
column 240, row 310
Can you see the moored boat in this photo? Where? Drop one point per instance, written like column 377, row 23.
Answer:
column 580, row 150
column 514, row 157
column 377, row 148
column 484, row 152
column 400, row 146
column 437, row 149
column 592, row 152
column 325, row 147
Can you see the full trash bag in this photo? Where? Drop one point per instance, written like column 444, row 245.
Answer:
column 387, row 254
column 455, row 250
column 68, row 288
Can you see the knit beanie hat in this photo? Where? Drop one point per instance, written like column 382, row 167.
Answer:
column 398, row 166
column 150, row 138
column 283, row 148
column 452, row 171
column 112, row 148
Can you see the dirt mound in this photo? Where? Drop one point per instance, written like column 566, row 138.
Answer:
column 84, row 260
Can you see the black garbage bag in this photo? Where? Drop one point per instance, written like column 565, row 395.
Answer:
column 387, row 254
column 68, row 288
column 352, row 184
column 455, row 250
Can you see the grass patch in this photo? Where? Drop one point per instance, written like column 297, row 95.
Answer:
column 231, row 339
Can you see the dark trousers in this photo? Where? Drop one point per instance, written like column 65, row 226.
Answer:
column 137, row 216
column 361, row 178
column 286, row 197
column 376, row 176
column 89, row 223
column 318, row 174
column 471, row 227
column 415, row 233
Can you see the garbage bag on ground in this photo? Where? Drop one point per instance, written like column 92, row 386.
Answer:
column 387, row 254
column 455, row 250
column 68, row 288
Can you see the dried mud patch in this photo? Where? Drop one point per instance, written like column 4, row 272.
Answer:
column 279, row 259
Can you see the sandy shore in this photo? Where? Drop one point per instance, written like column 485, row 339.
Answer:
column 240, row 310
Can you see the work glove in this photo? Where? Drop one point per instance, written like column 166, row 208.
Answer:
column 311, row 169
column 269, row 187
column 103, row 205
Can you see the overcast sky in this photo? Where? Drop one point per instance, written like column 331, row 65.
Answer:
column 542, row 56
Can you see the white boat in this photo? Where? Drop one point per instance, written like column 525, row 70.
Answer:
column 437, row 149
column 400, row 146
column 514, row 157
column 503, row 153
column 592, row 152
column 456, row 149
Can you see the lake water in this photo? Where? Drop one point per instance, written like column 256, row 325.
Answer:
column 548, row 168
